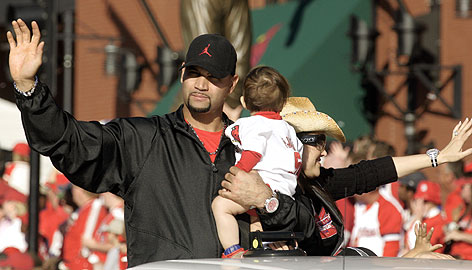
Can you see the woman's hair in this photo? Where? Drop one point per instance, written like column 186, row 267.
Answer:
column 265, row 89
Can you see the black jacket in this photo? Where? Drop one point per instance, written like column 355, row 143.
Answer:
column 332, row 184
column 157, row 165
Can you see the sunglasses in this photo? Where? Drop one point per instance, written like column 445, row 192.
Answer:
column 318, row 140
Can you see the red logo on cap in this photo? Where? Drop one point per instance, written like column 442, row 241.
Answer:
column 205, row 51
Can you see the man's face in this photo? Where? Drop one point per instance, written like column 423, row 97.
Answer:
column 204, row 93
column 405, row 194
column 466, row 193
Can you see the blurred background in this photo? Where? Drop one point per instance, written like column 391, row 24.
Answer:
column 397, row 70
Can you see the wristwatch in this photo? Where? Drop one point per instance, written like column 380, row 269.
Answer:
column 433, row 154
column 271, row 204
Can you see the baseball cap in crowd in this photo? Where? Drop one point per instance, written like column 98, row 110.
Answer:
column 12, row 257
column 21, row 149
column 428, row 191
column 412, row 180
column 214, row 53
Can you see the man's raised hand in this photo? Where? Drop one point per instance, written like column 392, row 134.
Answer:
column 25, row 54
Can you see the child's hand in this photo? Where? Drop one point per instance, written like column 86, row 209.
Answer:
column 423, row 238
column 423, row 241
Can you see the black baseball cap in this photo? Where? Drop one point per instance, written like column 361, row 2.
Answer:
column 214, row 53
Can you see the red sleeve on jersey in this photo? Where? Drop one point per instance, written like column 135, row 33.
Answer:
column 391, row 249
column 390, row 220
column 248, row 160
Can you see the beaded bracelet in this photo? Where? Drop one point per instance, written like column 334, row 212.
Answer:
column 29, row 92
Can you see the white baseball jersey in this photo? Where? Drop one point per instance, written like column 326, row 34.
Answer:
column 278, row 144
column 375, row 225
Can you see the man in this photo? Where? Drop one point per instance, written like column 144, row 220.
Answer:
column 377, row 224
column 167, row 168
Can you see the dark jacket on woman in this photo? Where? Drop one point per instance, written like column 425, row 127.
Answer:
column 321, row 192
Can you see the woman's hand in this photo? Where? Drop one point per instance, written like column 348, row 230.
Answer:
column 453, row 150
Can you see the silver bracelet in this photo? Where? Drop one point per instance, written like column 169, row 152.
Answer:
column 29, row 92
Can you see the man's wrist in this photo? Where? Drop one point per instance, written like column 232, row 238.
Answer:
column 26, row 87
column 264, row 196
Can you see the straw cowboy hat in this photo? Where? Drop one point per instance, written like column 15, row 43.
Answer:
column 302, row 115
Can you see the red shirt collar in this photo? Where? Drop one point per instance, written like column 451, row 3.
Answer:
column 270, row 115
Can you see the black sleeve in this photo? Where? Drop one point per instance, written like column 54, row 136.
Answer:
column 358, row 178
column 291, row 215
column 95, row 157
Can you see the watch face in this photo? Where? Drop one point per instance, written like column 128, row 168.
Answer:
column 432, row 152
column 272, row 205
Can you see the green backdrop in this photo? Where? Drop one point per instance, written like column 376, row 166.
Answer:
column 312, row 49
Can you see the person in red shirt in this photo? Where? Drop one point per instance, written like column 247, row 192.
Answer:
column 83, row 223
column 14, row 259
column 450, row 176
column 54, row 213
column 17, row 172
column 377, row 224
column 425, row 208
column 102, row 241
column 459, row 234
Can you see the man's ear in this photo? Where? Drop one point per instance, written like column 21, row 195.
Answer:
column 234, row 81
column 182, row 71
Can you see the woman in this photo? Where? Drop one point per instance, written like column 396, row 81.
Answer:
column 320, row 187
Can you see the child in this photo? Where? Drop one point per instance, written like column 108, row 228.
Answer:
column 264, row 142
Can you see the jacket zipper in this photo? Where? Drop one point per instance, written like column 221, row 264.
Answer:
column 214, row 171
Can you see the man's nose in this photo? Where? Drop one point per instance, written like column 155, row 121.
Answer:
column 201, row 83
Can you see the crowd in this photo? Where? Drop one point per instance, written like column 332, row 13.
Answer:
column 383, row 220
column 83, row 230
column 77, row 229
